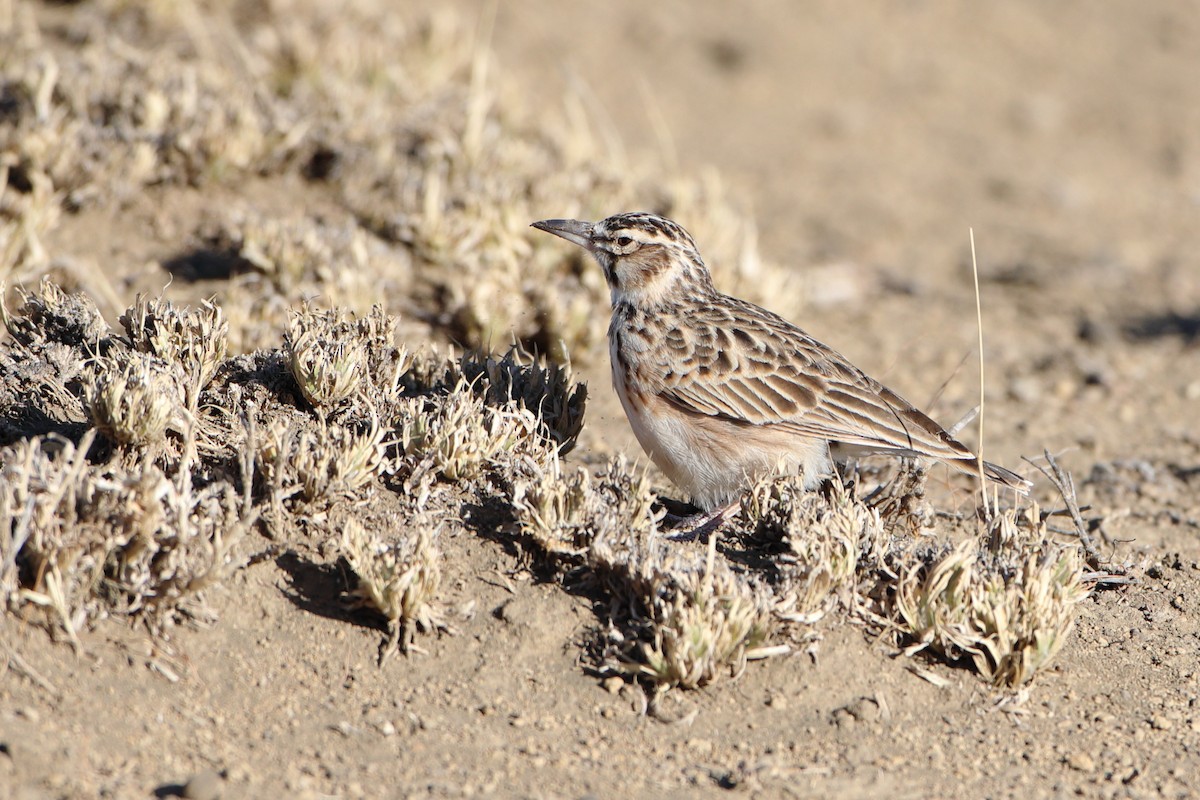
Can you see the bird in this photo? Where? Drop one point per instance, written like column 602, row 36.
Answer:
column 720, row 391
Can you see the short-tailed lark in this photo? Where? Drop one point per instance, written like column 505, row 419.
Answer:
column 720, row 391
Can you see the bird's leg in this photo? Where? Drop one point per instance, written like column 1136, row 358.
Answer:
column 697, row 526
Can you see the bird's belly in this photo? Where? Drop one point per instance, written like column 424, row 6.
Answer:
column 713, row 459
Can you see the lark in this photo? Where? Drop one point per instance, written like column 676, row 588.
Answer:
column 719, row 391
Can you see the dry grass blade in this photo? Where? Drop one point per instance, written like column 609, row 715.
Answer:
column 1065, row 484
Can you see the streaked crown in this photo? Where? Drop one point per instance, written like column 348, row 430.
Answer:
column 648, row 260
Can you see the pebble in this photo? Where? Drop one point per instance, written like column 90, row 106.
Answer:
column 1161, row 723
column 204, row 785
column 1081, row 762
column 613, row 685
column 864, row 709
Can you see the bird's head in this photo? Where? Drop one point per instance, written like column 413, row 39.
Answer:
column 647, row 260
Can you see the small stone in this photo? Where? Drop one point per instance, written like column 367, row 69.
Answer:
column 387, row 728
column 1161, row 723
column 614, row 684
column 864, row 709
column 204, row 785
column 1081, row 762
column 777, row 702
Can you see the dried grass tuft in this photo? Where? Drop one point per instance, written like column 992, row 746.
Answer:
column 1008, row 601
column 695, row 618
column 86, row 540
column 399, row 579
column 194, row 339
column 549, row 391
column 681, row 618
column 54, row 315
column 321, row 461
column 134, row 397
column 830, row 536
column 334, row 356
column 461, row 436
column 564, row 515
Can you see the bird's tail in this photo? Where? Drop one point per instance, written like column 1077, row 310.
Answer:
column 998, row 474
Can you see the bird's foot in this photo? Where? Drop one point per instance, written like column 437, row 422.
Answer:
column 691, row 527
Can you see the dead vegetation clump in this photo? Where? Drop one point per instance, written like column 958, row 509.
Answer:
column 44, row 376
column 399, row 578
column 461, row 435
column 563, row 514
column 84, row 540
column 831, row 539
column 483, row 412
column 692, row 617
column 133, row 397
column 677, row 616
column 53, row 315
column 101, row 119
column 319, row 462
column 1006, row 599
column 194, row 338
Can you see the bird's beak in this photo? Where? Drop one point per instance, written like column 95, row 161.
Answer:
column 573, row 230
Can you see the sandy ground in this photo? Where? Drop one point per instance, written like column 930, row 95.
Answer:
column 864, row 141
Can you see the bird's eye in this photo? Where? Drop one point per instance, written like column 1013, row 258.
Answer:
column 624, row 241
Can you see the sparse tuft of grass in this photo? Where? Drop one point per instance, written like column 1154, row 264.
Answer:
column 334, row 356
column 399, row 579
column 134, row 397
column 830, row 536
column 84, row 540
column 319, row 462
column 1008, row 602
column 684, row 619
column 564, row 515
column 693, row 617
column 54, row 315
column 462, row 435
column 548, row 391
column 327, row 369
column 194, row 339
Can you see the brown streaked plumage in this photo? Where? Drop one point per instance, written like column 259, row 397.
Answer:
column 719, row 390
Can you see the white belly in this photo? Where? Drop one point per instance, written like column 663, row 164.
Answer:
column 711, row 459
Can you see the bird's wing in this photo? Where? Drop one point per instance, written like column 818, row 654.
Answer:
column 758, row 369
